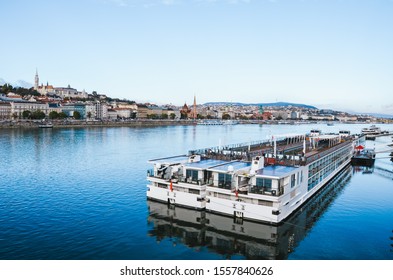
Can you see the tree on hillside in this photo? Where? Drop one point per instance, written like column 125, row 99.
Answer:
column 7, row 88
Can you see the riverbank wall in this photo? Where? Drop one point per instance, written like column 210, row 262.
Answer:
column 76, row 124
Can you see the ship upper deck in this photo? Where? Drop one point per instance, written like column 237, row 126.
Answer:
column 232, row 165
column 289, row 150
column 276, row 171
column 205, row 164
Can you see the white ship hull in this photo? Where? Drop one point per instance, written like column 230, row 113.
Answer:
column 179, row 195
column 268, row 188
column 240, row 206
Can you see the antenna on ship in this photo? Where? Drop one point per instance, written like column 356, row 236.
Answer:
column 274, row 147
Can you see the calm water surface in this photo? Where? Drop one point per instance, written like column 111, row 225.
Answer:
column 81, row 194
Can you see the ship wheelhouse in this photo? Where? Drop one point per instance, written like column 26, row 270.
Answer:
column 197, row 172
column 275, row 180
column 230, row 176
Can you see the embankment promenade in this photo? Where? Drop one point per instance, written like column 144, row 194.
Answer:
column 84, row 123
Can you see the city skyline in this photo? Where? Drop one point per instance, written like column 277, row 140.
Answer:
column 329, row 54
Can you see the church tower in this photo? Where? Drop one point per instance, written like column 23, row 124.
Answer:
column 36, row 80
column 194, row 110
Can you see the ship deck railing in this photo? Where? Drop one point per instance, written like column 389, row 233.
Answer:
column 221, row 185
column 249, row 150
column 190, row 180
column 247, row 189
column 239, row 149
column 265, row 191
column 246, row 151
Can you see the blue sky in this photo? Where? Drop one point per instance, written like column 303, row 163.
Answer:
column 331, row 54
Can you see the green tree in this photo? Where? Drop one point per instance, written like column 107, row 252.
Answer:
column 6, row 88
column 164, row 116
column 226, row 117
column 53, row 115
column 37, row 115
column 76, row 115
column 153, row 116
column 172, row 116
column 62, row 115
column 26, row 114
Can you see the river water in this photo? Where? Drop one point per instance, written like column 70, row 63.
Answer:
column 81, row 194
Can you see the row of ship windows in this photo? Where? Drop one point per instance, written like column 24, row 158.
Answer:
column 318, row 174
column 317, row 178
column 318, row 165
column 224, row 180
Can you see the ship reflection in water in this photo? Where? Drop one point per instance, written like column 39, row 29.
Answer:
column 233, row 238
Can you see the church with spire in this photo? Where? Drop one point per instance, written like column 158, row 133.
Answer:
column 59, row 91
column 36, row 80
column 186, row 112
column 194, row 110
column 42, row 89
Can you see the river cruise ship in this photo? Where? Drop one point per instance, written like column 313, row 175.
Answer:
column 371, row 130
column 263, row 181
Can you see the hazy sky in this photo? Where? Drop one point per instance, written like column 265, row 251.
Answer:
column 331, row 54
